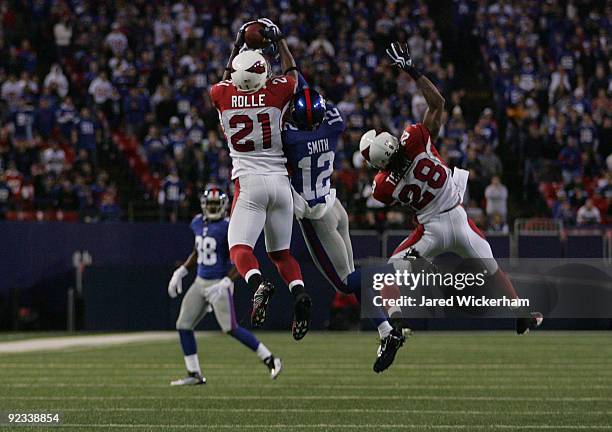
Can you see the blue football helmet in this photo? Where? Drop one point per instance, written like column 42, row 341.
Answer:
column 308, row 109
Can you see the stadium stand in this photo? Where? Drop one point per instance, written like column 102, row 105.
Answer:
column 105, row 113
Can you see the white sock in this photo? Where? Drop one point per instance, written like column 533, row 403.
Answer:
column 251, row 273
column 263, row 352
column 192, row 363
column 384, row 329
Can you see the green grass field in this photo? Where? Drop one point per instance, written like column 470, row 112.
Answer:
column 440, row 381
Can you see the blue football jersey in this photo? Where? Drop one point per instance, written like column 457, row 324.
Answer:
column 212, row 247
column 310, row 155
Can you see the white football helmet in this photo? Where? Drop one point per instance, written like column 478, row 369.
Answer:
column 377, row 149
column 249, row 71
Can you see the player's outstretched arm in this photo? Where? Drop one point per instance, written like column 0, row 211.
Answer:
column 235, row 50
column 273, row 33
column 435, row 106
column 400, row 56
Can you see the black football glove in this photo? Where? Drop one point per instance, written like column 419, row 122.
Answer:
column 240, row 35
column 400, row 56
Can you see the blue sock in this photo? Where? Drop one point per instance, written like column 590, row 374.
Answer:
column 188, row 342
column 246, row 337
column 353, row 281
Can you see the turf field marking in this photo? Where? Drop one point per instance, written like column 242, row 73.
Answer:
column 336, row 426
column 325, row 386
column 322, row 397
column 315, row 365
column 96, row 341
column 351, row 410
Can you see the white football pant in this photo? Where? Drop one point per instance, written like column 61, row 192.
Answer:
column 262, row 202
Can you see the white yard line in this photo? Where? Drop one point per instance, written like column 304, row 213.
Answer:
column 341, row 410
column 461, row 387
column 321, row 397
column 332, row 426
column 69, row 342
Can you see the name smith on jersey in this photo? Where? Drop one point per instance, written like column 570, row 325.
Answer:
column 318, row 146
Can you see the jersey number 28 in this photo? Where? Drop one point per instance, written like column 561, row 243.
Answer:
column 427, row 172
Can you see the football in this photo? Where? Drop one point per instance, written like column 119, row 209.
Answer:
column 253, row 36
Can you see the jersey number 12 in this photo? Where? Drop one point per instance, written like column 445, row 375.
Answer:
column 323, row 183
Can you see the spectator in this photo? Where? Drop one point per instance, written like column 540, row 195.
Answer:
column 86, row 133
column 54, row 159
column 116, row 41
column 62, row 31
column 171, row 195
column 588, row 214
column 56, row 82
column 497, row 224
column 497, row 198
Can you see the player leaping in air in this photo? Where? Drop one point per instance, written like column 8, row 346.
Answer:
column 412, row 174
column 251, row 106
column 212, row 289
column 310, row 145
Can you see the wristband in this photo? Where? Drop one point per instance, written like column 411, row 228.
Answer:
column 413, row 72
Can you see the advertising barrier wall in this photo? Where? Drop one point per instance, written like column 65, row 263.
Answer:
column 124, row 288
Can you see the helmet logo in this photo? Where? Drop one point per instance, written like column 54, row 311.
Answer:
column 258, row 68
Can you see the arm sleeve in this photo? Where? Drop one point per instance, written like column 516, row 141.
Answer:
column 383, row 190
column 214, row 95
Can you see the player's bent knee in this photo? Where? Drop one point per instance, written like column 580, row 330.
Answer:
column 180, row 325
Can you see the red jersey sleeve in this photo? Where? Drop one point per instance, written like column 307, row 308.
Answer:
column 414, row 140
column 281, row 90
column 215, row 92
column 383, row 188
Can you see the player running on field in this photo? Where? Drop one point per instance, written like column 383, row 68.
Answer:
column 413, row 174
column 212, row 289
column 251, row 106
column 310, row 146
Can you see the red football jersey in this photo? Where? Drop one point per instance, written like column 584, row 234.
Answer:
column 252, row 123
column 426, row 186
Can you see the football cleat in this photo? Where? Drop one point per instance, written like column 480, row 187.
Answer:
column 388, row 348
column 261, row 298
column 193, row 378
column 530, row 322
column 275, row 366
column 301, row 316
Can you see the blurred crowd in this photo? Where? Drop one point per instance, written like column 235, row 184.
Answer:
column 73, row 72
column 549, row 64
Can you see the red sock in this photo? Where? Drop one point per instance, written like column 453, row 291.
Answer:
column 502, row 279
column 287, row 267
column 244, row 259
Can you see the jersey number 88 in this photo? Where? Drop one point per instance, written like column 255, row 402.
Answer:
column 207, row 250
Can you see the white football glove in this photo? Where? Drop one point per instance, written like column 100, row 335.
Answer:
column 175, row 287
